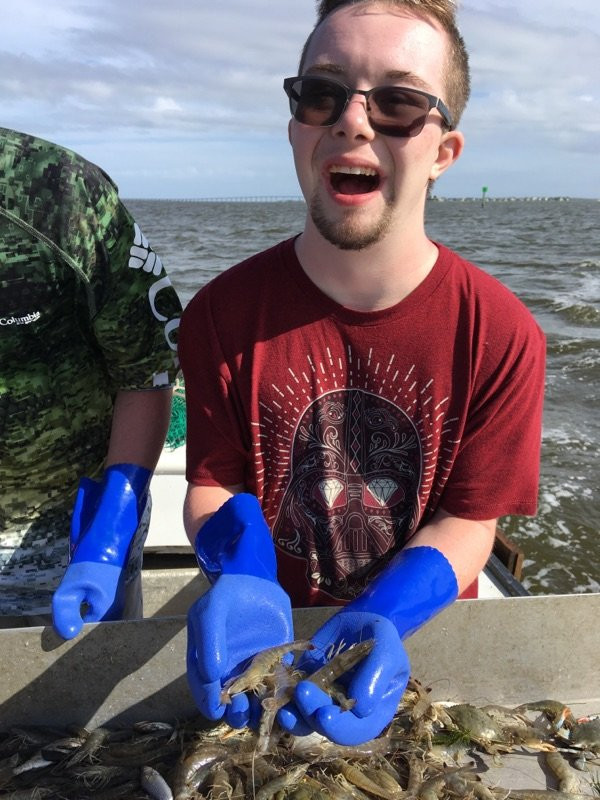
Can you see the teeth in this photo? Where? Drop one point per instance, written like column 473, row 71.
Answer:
column 355, row 171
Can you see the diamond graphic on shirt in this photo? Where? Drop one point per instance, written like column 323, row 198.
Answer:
column 331, row 489
column 382, row 489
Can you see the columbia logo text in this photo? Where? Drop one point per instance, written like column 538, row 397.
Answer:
column 25, row 320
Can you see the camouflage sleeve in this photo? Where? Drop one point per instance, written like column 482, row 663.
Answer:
column 137, row 310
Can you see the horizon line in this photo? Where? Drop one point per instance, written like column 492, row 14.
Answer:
column 300, row 199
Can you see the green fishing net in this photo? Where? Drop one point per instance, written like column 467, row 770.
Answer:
column 177, row 427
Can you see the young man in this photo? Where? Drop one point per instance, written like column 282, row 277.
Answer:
column 380, row 396
column 88, row 323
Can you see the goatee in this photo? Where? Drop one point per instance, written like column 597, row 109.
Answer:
column 349, row 233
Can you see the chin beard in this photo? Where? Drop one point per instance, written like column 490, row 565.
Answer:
column 349, row 233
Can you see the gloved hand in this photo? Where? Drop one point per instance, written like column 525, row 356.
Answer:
column 105, row 518
column 417, row 584
column 245, row 610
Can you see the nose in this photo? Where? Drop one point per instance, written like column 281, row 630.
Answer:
column 354, row 121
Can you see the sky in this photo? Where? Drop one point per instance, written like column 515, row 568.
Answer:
column 184, row 99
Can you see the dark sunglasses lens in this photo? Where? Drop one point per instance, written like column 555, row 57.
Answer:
column 316, row 101
column 395, row 111
column 392, row 110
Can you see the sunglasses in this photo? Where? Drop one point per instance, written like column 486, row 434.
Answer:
column 391, row 110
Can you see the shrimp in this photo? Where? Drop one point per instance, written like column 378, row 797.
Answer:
column 260, row 666
column 342, row 662
column 220, row 784
column 464, row 787
column 90, row 747
column 567, row 780
column 325, row 786
column 191, row 770
column 536, row 794
column 417, row 699
column 348, row 790
column 358, row 778
column 431, row 789
column 416, row 771
column 285, row 682
column 291, row 778
column 98, row 776
column 307, row 791
column 318, row 748
column 384, row 779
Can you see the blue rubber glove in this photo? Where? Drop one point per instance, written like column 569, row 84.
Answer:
column 417, row 584
column 105, row 518
column 244, row 611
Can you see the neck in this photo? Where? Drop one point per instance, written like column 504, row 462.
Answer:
column 372, row 279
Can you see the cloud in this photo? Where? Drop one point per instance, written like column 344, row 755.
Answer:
column 29, row 27
column 531, row 72
column 210, row 61
column 148, row 83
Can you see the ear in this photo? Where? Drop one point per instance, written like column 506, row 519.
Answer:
column 290, row 131
column 450, row 148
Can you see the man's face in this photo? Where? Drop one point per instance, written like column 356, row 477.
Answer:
column 360, row 184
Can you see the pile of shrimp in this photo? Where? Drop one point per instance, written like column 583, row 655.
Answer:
column 428, row 752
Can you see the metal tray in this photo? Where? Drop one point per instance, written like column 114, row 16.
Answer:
column 506, row 651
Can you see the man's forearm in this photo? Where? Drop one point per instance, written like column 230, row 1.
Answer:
column 201, row 502
column 466, row 544
column 139, row 427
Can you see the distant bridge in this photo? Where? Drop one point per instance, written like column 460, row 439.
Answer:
column 268, row 198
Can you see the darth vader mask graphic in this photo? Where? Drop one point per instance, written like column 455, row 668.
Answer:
column 353, row 492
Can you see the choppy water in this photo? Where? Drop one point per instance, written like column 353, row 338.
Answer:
column 548, row 253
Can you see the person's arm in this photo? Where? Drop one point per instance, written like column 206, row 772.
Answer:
column 465, row 543
column 133, row 316
column 201, row 502
column 139, row 427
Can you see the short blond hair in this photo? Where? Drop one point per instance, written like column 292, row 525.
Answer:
column 458, row 82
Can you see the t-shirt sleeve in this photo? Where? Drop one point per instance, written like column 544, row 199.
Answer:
column 216, row 445
column 496, row 471
column 137, row 310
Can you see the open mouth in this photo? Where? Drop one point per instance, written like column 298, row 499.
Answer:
column 353, row 180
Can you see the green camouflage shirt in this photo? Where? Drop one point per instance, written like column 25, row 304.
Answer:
column 86, row 308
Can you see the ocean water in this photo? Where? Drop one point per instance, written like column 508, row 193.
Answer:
column 547, row 251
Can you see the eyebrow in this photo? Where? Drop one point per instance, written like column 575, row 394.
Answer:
column 394, row 75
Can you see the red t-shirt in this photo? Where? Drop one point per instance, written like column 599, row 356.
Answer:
column 352, row 428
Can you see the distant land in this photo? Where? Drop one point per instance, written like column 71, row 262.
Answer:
column 298, row 199
column 488, row 199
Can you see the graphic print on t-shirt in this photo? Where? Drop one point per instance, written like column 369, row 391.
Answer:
column 353, row 493
column 360, row 467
